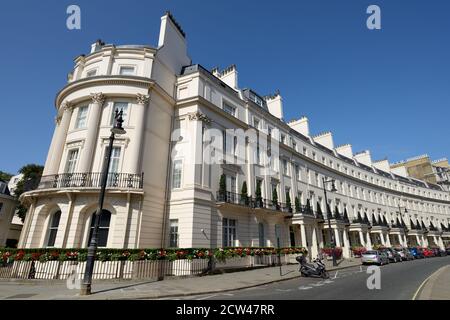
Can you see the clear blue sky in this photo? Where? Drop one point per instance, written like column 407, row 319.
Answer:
column 387, row 91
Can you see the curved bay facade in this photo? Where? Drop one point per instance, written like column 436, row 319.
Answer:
column 165, row 187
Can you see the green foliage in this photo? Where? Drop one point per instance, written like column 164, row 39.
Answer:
column 298, row 207
column 288, row 201
column 31, row 176
column 258, row 195
column 244, row 193
column 275, row 197
column 5, row 176
column 222, row 185
column 220, row 254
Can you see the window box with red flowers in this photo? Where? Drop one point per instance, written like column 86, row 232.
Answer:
column 328, row 251
column 358, row 251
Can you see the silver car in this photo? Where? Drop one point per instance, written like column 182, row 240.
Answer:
column 374, row 257
column 405, row 254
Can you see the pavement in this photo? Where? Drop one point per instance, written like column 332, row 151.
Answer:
column 436, row 287
column 11, row 289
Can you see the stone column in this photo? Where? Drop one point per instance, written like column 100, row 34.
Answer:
column 51, row 150
column 93, row 124
column 418, row 240
column 400, row 240
column 369, row 242
column 303, row 235
column 383, row 242
column 424, row 241
column 405, row 240
column 314, row 246
column 139, row 130
column 387, row 240
column 60, row 138
column 441, row 243
column 320, row 235
column 361, row 238
column 346, row 249
column 337, row 238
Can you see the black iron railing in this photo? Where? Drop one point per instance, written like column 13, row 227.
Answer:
column 250, row 202
column 91, row 180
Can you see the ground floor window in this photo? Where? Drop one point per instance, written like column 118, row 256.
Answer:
column 173, row 243
column 53, row 228
column 103, row 230
column 229, row 232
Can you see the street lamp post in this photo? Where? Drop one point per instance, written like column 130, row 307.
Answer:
column 404, row 227
column 92, row 250
column 333, row 242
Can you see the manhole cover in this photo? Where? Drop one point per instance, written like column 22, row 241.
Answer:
column 22, row 296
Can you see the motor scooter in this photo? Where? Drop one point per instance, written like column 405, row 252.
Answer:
column 317, row 268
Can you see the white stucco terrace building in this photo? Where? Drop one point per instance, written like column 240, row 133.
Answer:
column 164, row 187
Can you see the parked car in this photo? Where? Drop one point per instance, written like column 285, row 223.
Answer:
column 447, row 250
column 417, row 253
column 392, row 255
column 428, row 253
column 440, row 253
column 405, row 254
column 374, row 257
column 436, row 252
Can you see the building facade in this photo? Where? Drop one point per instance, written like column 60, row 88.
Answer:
column 423, row 168
column 10, row 225
column 194, row 139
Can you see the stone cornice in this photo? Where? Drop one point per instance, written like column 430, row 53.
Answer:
column 139, row 82
column 205, row 103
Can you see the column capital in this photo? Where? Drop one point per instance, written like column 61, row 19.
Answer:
column 67, row 106
column 198, row 116
column 98, row 98
column 142, row 98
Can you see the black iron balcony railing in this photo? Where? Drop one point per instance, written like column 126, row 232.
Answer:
column 239, row 199
column 91, row 180
column 260, row 203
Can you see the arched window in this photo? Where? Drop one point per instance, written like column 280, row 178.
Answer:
column 103, row 230
column 53, row 228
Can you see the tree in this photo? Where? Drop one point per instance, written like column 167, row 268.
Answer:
column 244, row 194
column 31, row 176
column 258, row 195
column 288, row 202
column 223, row 187
column 298, row 207
column 275, row 197
column 319, row 211
column 5, row 176
column 308, row 209
column 337, row 215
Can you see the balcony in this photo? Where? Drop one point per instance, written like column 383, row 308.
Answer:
column 252, row 203
column 91, row 180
